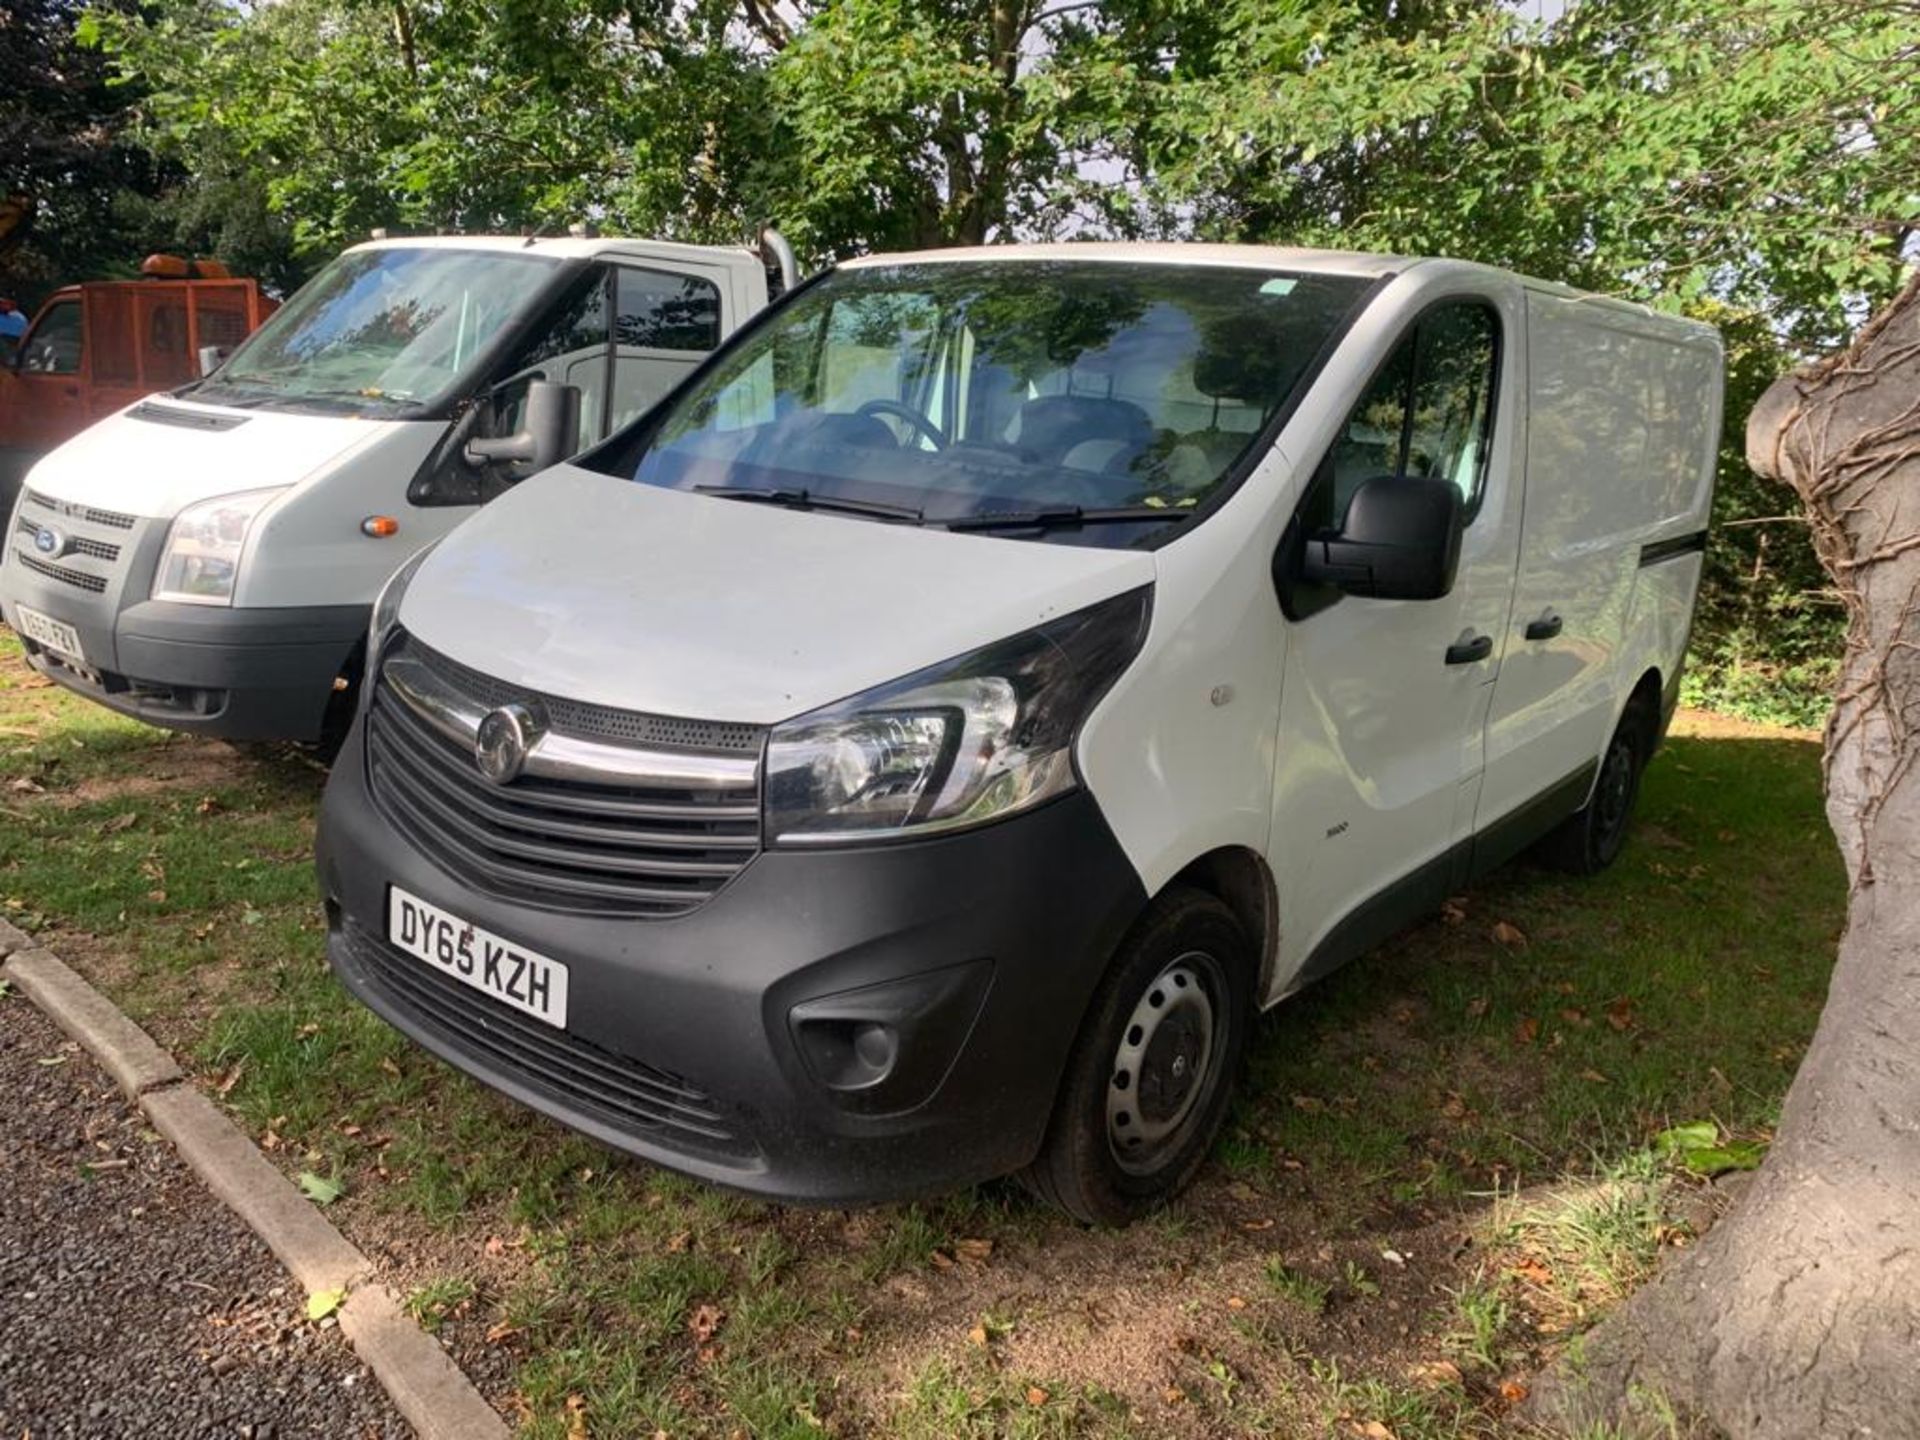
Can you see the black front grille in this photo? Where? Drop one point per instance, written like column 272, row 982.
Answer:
column 94, row 584
column 576, row 717
column 112, row 519
column 578, row 1075
column 98, row 549
column 603, row 848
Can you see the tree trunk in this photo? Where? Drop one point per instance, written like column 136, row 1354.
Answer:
column 1798, row 1316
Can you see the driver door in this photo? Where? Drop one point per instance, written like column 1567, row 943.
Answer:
column 1384, row 702
column 49, row 390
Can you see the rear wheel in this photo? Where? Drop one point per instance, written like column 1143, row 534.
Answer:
column 1152, row 1069
column 1588, row 841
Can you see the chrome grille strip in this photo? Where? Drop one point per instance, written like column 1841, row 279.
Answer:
column 559, row 756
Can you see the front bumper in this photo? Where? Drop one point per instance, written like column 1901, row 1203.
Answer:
column 263, row 674
column 725, row 1043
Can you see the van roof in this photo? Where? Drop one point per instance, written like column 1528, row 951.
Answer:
column 1262, row 257
column 1279, row 257
column 561, row 247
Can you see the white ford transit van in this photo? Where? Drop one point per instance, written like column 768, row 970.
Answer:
column 206, row 559
column 918, row 749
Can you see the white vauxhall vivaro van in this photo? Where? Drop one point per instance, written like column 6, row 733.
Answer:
column 917, row 750
column 206, row 559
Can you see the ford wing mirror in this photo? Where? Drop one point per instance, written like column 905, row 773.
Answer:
column 1399, row 540
column 548, row 434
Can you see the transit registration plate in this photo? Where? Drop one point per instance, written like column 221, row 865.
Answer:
column 56, row 635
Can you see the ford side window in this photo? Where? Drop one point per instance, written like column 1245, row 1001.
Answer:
column 660, row 311
column 664, row 324
column 569, row 347
column 1427, row 412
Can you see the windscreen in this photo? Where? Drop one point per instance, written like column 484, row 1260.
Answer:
column 385, row 328
column 1090, row 401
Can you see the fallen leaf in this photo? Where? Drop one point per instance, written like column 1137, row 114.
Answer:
column 501, row 1331
column 1374, row 1430
column 1036, row 1396
column 941, row 1260
column 323, row 1303
column 975, row 1250
column 705, row 1322
column 1173, row 1395
column 320, row 1189
column 232, row 1077
column 680, row 1243
column 1309, row 1104
column 1573, row 1016
column 1532, row 1271
column 1477, row 1006
column 1454, row 911
column 577, row 1417
column 1393, row 1257
column 1526, row 1031
column 1261, row 1224
column 1512, row 1391
column 1620, row 1013
column 122, row 821
column 1235, row 1302
column 1435, row 1374
column 387, row 1064
column 1511, row 936
column 26, row 785
column 209, row 805
column 1594, row 1077
column 495, row 1245
column 977, row 1336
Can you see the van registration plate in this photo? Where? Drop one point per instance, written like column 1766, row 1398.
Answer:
column 461, row 950
column 54, row 634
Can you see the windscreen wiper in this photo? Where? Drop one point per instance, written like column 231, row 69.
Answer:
column 808, row 500
column 1054, row 517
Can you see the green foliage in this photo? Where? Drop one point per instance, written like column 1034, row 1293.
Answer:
column 1747, row 161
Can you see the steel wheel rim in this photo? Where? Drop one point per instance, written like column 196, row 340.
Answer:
column 1615, row 789
column 1166, row 1065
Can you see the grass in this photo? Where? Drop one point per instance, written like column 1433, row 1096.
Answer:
column 1441, row 1157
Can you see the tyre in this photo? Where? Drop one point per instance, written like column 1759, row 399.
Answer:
column 1588, row 840
column 1153, row 1067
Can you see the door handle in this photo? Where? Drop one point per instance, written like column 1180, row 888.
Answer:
column 1544, row 628
column 1470, row 651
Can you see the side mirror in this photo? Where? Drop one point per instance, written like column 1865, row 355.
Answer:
column 1399, row 540
column 548, row 434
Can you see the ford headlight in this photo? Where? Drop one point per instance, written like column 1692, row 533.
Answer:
column 386, row 608
column 956, row 745
column 202, row 558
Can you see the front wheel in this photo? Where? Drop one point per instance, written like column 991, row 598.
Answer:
column 1152, row 1069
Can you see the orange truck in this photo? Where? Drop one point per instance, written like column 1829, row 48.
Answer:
column 94, row 349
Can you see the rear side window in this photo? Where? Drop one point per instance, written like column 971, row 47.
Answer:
column 654, row 310
column 1428, row 412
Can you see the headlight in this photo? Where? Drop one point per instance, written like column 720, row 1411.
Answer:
column 956, row 745
column 202, row 558
column 386, row 609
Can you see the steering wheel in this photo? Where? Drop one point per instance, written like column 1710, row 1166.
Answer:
column 915, row 420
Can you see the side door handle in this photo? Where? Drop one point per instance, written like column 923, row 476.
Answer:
column 1470, row 651
column 1544, row 628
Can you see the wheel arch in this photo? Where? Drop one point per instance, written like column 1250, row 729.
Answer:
column 1241, row 880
